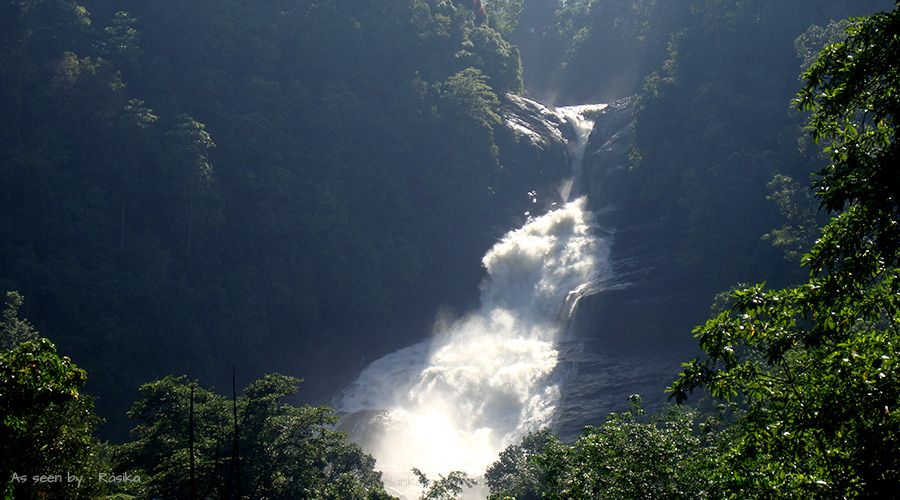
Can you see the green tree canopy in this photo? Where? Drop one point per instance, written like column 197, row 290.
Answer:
column 630, row 456
column 47, row 422
column 283, row 451
column 816, row 364
column 13, row 329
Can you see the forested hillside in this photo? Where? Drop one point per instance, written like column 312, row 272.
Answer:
column 197, row 195
column 715, row 138
column 197, row 185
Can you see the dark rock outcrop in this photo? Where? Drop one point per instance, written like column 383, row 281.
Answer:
column 532, row 144
column 647, row 309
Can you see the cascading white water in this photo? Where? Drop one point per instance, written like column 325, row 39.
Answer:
column 579, row 117
column 454, row 401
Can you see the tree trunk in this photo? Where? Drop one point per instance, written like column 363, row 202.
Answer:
column 191, row 446
column 190, row 222
column 235, row 453
column 122, row 229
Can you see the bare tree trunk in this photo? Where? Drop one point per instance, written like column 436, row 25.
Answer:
column 236, row 455
column 190, row 222
column 191, row 446
column 215, row 476
column 122, row 232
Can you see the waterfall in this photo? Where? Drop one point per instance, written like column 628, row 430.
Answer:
column 579, row 118
column 455, row 400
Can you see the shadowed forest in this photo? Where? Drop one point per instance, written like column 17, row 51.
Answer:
column 216, row 214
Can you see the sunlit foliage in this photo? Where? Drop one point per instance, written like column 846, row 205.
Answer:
column 816, row 364
column 46, row 431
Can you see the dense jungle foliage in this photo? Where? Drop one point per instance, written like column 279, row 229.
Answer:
column 187, row 441
column 194, row 185
column 190, row 186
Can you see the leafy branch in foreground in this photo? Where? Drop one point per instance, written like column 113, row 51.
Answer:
column 671, row 454
column 816, row 364
column 47, row 422
column 444, row 487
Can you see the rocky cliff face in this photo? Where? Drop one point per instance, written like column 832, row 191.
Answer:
column 540, row 125
column 607, row 160
column 646, row 308
column 631, row 336
column 532, row 143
